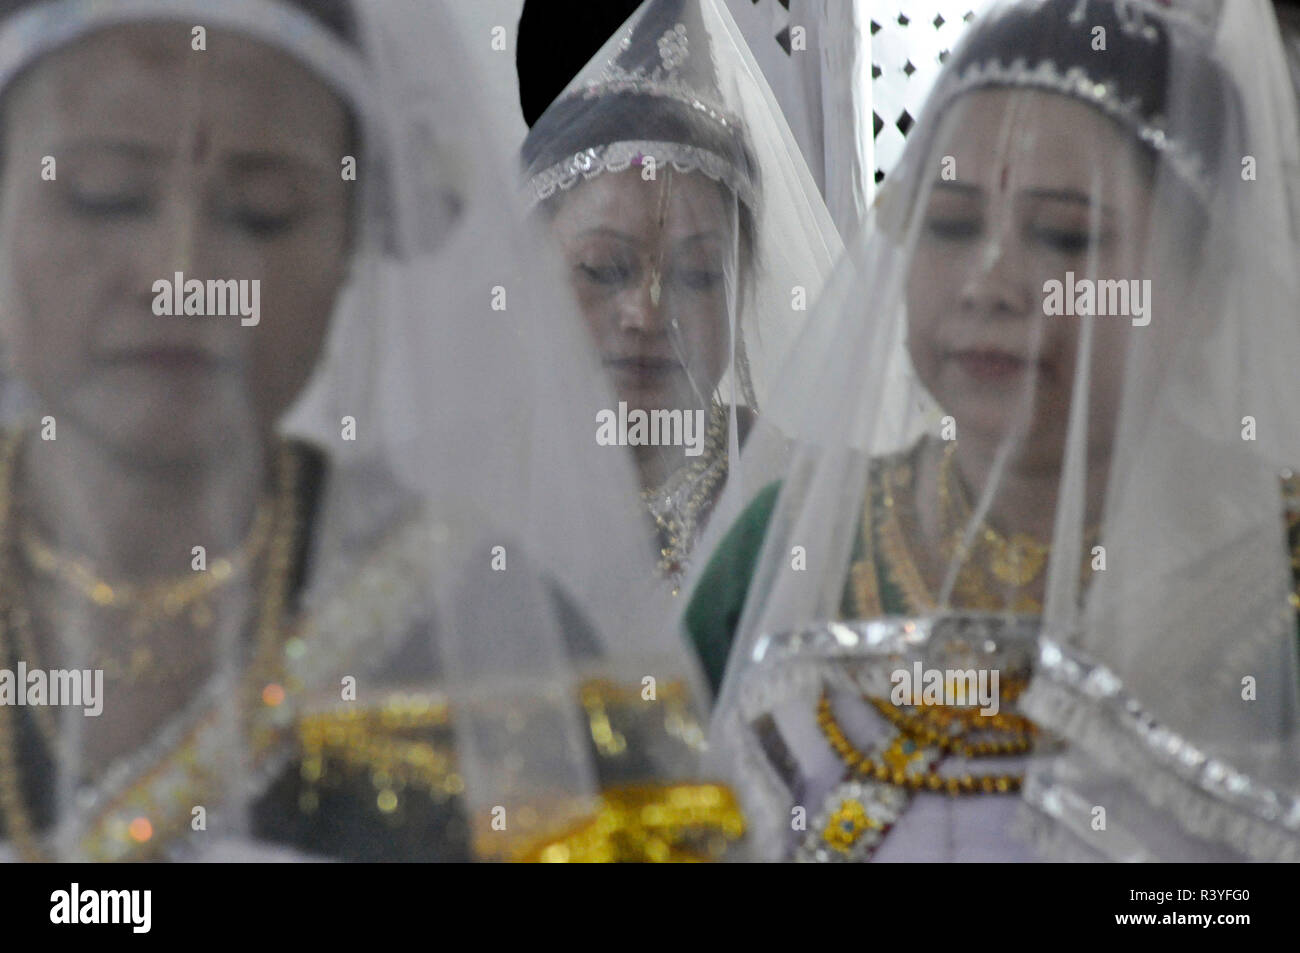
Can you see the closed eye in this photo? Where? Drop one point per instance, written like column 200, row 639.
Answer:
column 1069, row 241
column 615, row 274
column 699, row 279
column 259, row 223
column 953, row 229
column 114, row 204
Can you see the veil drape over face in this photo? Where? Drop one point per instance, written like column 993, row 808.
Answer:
column 694, row 240
column 1046, row 389
column 313, row 478
column 175, row 235
column 1176, row 685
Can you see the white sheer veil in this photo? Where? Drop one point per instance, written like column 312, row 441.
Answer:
column 436, row 491
column 675, row 96
column 1176, row 687
column 1003, row 440
column 514, row 547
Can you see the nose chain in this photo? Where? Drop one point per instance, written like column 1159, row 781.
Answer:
column 656, row 285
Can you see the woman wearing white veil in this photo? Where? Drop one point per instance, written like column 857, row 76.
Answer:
column 169, row 279
column 290, row 589
column 693, row 237
column 1031, row 378
column 1176, row 687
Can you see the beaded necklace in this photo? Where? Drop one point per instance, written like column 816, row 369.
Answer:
column 860, row 812
column 678, row 505
column 141, row 774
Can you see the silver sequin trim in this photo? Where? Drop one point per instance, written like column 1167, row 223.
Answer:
column 1076, row 83
column 1209, row 797
column 619, row 157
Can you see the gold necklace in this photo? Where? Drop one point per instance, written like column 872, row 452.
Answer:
column 271, row 604
column 901, row 568
column 951, row 728
column 945, row 728
column 138, row 668
column 909, row 746
column 678, row 522
column 151, row 603
column 862, row 573
column 1016, row 561
column 18, row 826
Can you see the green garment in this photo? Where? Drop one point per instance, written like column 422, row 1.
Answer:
column 713, row 613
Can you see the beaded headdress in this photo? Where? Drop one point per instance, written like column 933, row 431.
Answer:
column 1114, row 55
column 656, row 96
column 44, row 27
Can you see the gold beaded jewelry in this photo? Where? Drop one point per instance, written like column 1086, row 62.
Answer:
column 909, row 747
column 938, row 730
column 678, row 523
column 947, row 727
column 272, row 601
column 18, row 825
column 899, row 564
column 902, row 568
column 152, row 603
column 655, row 823
column 1016, row 561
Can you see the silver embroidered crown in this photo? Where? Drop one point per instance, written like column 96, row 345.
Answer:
column 1104, row 95
column 667, row 79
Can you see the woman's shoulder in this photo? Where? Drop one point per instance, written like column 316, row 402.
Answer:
column 713, row 612
column 739, row 548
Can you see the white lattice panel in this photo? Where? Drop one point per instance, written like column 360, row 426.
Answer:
column 909, row 39
column 905, row 41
